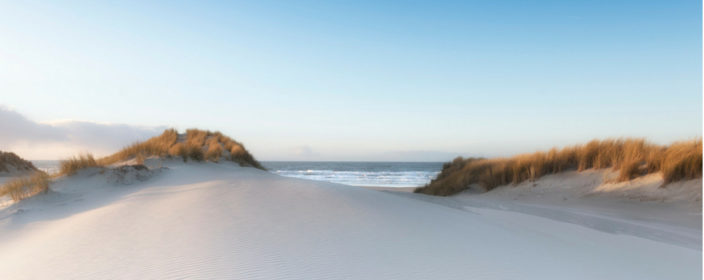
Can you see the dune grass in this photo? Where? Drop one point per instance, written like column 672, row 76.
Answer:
column 681, row 161
column 196, row 145
column 156, row 146
column 630, row 157
column 214, row 150
column 27, row 186
column 72, row 165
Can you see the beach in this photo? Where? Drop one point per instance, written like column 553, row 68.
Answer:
column 285, row 140
column 220, row 220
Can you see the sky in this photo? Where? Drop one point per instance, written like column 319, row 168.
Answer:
column 349, row 80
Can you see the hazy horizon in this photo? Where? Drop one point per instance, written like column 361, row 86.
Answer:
column 362, row 81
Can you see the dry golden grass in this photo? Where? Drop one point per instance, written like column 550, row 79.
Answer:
column 630, row 157
column 178, row 149
column 682, row 160
column 72, row 165
column 215, row 150
column 27, row 186
column 197, row 137
column 194, row 152
column 197, row 145
column 156, row 146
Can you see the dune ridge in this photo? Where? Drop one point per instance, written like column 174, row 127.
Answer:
column 11, row 164
column 194, row 144
column 20, row 178
column 631, row 158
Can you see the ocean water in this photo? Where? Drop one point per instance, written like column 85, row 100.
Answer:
column 377, row 174
column 49, row 166
column 380, row 174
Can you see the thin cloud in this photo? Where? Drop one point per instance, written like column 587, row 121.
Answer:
column 57, row 139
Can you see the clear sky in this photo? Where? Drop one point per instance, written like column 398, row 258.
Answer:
column 361, row 80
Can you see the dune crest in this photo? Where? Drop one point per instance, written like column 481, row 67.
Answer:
column 12, row 165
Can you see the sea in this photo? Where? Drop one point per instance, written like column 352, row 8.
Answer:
column 48, row 166
column 367, row 174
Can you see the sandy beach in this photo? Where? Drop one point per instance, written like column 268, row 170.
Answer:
column 285, row 140
column 208, row 220
column 392, row 189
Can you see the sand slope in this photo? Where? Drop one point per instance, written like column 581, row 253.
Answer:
column 206, row 221
column 643, row 207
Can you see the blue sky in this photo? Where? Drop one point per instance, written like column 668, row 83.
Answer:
column 360, row 80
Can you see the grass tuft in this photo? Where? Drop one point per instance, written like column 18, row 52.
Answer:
column 682, row 161
column 214, row 150
column 27, row 186
column 72, row 165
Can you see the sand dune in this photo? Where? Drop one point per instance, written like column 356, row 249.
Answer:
column 13, row 165
column 642, row 207
column 222, row 221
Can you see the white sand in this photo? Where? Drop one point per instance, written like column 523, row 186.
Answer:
column 393, row 189
column 220, row 221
